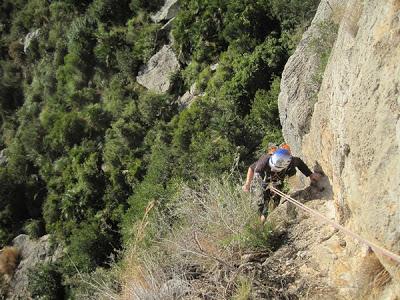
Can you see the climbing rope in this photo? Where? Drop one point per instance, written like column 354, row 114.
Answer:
column 376, row 248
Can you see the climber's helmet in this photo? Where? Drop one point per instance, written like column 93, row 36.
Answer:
column 280, row 160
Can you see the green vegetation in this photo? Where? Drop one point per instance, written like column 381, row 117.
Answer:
column 87, row 149
column 34, row 228
column 45, row 282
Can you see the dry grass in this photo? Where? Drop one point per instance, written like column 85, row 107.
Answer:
column 373, row 277
column 196, row 246
column 8, row 261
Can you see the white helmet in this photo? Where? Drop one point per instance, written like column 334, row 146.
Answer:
column 280, row 160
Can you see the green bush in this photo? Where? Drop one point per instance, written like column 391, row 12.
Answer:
column 243, row 289
column 262, row 123
column 12, row 205
column 291, row 13
column 45, row 282
column 143, row 38
column 203, row 79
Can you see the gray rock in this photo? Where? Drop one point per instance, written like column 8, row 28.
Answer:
column 156, row 74
column 167, row 12
column 32, row 253
column 350, row 129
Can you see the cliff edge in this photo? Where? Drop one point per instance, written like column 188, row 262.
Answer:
column 339, row 108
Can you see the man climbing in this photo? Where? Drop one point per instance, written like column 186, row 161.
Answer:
column 272, row 168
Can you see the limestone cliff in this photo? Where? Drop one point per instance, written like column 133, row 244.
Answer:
column 342, row 116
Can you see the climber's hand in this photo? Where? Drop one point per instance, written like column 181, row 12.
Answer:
column 246, row 188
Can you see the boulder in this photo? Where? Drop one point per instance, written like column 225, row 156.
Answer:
column 155, row 75
column 32, row 252
column 167, row 12
column 3, row 157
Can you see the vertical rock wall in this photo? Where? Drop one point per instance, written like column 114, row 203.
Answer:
column 351, row 127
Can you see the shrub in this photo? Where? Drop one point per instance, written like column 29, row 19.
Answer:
column 143, row 38
column 293, row 12
column 154, row 107
column 45, row 282
column 243, row 289
column 34, row 228
column 110, row 11
column 89, row 246
column 203, row 79
column 99, row 284
column 137, row 5
column 65, row 131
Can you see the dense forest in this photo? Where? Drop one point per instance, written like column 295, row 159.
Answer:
column 85, row 148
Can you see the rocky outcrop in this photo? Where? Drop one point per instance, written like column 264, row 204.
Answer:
column 32, row 252
column 350, row 130
column 167, row 12
column 189, row 97
column 300, row 85
column 156, row 74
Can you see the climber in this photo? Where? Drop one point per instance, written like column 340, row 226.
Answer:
column 272, row 168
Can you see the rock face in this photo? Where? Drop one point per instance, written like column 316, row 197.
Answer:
column 299, row 87
column 156, row 74
column 32, row 252
column 167, row 12
column 351, row 130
